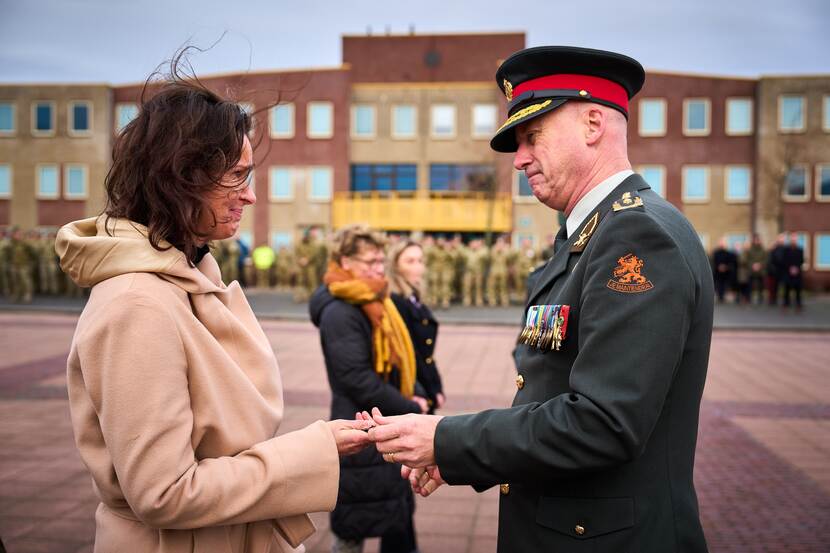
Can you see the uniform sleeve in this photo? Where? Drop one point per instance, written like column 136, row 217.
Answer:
column 349, row 359
column 630, row 345
column 136, row 372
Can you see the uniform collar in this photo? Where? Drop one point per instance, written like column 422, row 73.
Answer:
column 589, row 201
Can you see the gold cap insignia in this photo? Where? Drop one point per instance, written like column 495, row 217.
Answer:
column 508, row 90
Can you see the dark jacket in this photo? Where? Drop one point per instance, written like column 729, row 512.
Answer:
column 373, row 499
column 423, row 329
column 597, row 452
column 792, row 259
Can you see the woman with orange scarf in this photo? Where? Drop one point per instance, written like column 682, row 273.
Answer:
column 370, row 362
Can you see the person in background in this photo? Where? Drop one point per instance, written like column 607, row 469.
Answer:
column 741, row 274
column 406, row 275
column 174, row 389
column 793, row 260
column 264, row 258
column 775, row 268
column 755, row 257
column 724, row 265
column 370, row 362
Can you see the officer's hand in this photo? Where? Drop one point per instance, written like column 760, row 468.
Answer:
column 424, row 481
column 405, row 439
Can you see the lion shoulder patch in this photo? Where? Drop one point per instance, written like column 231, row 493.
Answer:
column 628, row 276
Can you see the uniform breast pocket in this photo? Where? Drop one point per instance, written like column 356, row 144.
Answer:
column 588, row 521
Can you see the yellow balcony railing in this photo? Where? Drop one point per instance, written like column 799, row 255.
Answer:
column 464, row 213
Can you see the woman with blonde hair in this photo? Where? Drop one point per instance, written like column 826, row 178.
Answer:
column 370, row 362
column 405, row 271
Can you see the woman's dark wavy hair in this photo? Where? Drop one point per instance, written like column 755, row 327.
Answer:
column 169, row 159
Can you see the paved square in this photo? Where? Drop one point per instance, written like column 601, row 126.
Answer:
column 762, row 468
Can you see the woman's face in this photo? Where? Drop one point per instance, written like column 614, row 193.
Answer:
column 226, row 202
column 368, row 262
column 411, row 265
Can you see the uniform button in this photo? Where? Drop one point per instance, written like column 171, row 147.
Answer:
column 429, row 341
column 580, row 530
column 505, row 489
column 520, row 382
column 429, row 360
column 424, row 322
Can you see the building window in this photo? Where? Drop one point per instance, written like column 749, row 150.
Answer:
column 443, row 121
column 484, row 120
column 652, row 117
column 281, row 239
column 124, row 113
column 282, row 121
column 363, row 121
column 739, row 116
column 5, row 180
column 803, row 241
column 320, row 120
column 8, row 115
column 281, row 187
column 695, row 184
column 47, row 181
column 321, row 184
column 791, row 116
column 80, row 118
column 461, row 178
column 522, row 189
column 696, row 116
column 796, row 187
column 738, row 185
column 823, row 182
column 825, row 119
column 400, row 177
column 822, row 260
column 735, row 240
column 404, row 121
column 655, row 176
column 43, row 118
column 76, row 181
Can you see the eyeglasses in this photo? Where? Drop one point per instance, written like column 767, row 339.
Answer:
column 374, row 262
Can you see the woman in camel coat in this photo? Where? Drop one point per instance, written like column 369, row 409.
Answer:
column 174, row 390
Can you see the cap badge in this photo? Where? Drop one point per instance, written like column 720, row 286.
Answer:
column 524, row 112
column 508, row 90
column 628, row 277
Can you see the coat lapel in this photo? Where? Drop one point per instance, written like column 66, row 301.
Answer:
column 559, row 262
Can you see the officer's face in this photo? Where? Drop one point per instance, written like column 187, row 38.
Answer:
column 411, row 265
column 551, row 153
column 227, row 201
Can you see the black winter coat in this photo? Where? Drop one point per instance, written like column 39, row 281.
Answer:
column 423, row 329
column 373, row 499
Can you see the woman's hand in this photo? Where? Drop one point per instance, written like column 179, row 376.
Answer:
column 350, row 436
column 422, row 402
column 440, row 400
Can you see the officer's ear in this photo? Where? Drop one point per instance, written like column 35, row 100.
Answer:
column 594, row 122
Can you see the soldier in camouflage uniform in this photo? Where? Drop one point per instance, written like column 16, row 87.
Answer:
column 445, row 270
column 428, row 245
column 524, row 261
column 458, row 266
column 305, row 254
column 285, row 268
column 47, row 264
column 497, row 277
column 23, row 259
column 230, row 260
column 474, row 268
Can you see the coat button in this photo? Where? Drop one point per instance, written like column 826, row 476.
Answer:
column 505, row 489
column 580, row 530
column 429, row 341
column 425, row 322
column 520, row 382
column 429, row 360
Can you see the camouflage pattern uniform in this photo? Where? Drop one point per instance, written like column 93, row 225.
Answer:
column 497, row 277
column 263, row 261
column 524, row 261
column 430, row 258
column 306, row 255
column 23, row 258
column 474, row 267
column 48, row 268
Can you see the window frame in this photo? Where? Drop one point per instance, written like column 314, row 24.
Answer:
column 751, row 116
column 291, row 182
column 798, row 199
column 13, row 130
column 517, row 197
column 353, row 133
column 272, row 132
column 816, row 265
column 54, row 117
column 818, row 195
column 640, row 113
column 726, row 197
column 487, row 135
column 707, row 130
column 273, row 243
column 4, row 196
column 708, row 172
column 118, row 108
column 70, row 118
column 398, row 136
column 38, row 194
column 66, row 194
column 779, row 115
column 319, row 136
column 454, row 133
column 640, row 171
column 310, row 179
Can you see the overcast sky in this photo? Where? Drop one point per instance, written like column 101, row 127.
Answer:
column 120, row 41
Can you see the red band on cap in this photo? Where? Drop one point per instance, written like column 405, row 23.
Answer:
column 597, row 87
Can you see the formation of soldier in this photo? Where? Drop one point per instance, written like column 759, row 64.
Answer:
column 29, row 266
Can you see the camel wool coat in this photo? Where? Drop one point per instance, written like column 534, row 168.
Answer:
column 176, row 399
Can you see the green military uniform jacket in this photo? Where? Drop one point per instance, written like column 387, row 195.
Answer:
column 597, row 452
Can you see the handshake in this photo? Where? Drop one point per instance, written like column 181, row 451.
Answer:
column 404, row 439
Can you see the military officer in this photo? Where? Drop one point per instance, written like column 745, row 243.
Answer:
column 23, row 256
column 497, row 275
column 445, row 273
column 475, row 265
column 597, row 451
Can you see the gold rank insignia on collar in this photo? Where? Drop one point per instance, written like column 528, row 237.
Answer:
column 627, row 202
column 585, row 234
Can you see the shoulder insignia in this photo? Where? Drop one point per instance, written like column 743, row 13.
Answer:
column 585, row 234
column 628, row 277
column 627, row 202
